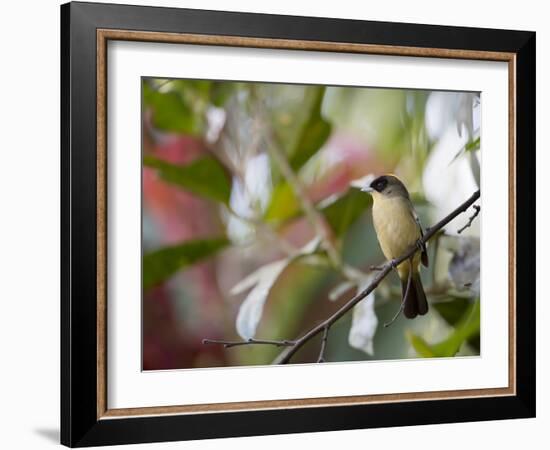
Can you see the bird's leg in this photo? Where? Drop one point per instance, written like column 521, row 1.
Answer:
column 420, row 245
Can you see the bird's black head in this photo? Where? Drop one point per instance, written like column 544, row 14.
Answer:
column 388, row 186
column 380, row 183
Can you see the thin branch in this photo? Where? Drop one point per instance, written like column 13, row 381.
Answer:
column 314, row 217
column 474, row 215
column 285, row 356
column 402, row 305
column 324, row 340
column 229, row 344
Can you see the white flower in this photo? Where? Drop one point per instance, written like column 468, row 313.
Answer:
column 261, row 281
column 252, row 308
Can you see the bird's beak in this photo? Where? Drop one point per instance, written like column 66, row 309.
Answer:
column 367, row 189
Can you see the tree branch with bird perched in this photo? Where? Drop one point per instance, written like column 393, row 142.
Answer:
column 293, row 345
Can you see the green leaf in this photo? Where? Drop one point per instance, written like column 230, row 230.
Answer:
column 470, row 146
column 284, row 204
column 473, row 145
column 300, row 147
column 170, row 111
column 453, row 310
column 420, row 345
column 339, row 213
column 205, row 91
column 204, row 176
column 313, row 135
column 192, row 91
column 345, row 210
column 221, row 92
column 161, row 264
column 466, row 328
column 294, row 112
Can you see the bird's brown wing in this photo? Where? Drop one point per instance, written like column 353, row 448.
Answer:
column 424, row 254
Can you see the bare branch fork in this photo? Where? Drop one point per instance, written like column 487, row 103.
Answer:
column 474, row 215
column 323, row 346
column 293, row 346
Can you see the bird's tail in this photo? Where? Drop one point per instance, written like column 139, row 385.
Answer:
column 415, row 303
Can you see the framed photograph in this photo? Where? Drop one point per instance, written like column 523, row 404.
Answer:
column 276, row 224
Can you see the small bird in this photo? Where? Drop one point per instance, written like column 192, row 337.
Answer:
column 398, row 229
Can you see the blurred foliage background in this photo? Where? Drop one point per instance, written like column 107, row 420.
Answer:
column 254, row 224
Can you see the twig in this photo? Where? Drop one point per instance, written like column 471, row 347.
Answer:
column 324, row 340
column 229, row 344
column 402, row 305
column 311, row 213
column 293, row 346
column 313, row 216
column 474, row 215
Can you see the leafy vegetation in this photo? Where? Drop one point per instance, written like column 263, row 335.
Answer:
column 161, row 264
column 204, row 176
column 256, row 247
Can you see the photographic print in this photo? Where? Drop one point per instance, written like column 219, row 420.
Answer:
column 267, row 207
column 255, row 206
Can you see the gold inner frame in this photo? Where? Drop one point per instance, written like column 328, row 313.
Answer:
column 103, row 36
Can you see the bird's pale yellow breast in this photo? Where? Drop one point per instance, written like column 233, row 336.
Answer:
column 395, row 226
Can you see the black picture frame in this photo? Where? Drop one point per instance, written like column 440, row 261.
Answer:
column 80, row 425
